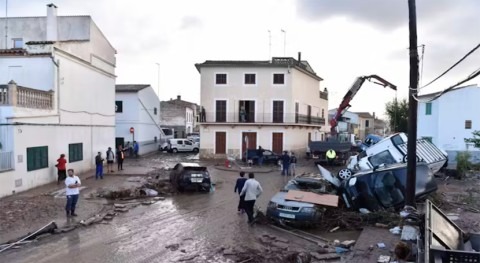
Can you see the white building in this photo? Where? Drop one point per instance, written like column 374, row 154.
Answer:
column 137, row 108
column 451, row 118
column 179, row 115
column 61, row 75
column 274, row 104
column 349, row 123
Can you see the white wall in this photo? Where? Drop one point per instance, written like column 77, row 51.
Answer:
column 138, row 112
column 447, row 123
column 31, row 72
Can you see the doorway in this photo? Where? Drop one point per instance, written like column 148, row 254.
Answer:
column 246, row 111
column 277, row 142
column 249, row 141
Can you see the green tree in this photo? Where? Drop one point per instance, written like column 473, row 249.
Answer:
column 397, row 113
column 475, row 140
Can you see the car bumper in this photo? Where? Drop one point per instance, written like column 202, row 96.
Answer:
column 293, row 217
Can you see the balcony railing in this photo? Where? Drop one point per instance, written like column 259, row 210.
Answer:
column 264, row 118
column 6, row 161
column 323, row 95
column 13, row 95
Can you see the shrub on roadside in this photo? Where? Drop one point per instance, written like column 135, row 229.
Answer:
column 463, row 163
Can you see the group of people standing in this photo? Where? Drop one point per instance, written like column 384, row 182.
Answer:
column 248, row 190
column 289, row 163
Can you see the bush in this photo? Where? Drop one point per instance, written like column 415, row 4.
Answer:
column 463, row 163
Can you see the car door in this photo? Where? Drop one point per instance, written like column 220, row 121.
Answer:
column 180, row 146
column 188, row 145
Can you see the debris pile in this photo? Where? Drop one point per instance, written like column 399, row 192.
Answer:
column 352, row 220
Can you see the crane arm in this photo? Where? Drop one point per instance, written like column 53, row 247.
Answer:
column 345, row 104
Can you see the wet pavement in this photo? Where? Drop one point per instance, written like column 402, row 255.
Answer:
column 191, row 227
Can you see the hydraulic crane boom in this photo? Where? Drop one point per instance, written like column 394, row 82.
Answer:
column 345, row 104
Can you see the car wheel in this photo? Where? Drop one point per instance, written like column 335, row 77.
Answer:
column 195, row 150
column 174, row 150
column 345, row 174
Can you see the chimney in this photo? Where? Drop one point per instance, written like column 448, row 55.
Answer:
column 373, row 115
column 179, row 97
column 299, row 57
column 52, row 29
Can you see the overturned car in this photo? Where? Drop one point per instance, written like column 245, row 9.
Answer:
column 377, row 189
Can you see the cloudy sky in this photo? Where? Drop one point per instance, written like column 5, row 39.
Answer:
column 341, row 39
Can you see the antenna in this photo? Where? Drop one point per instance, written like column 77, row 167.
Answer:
column 6, row 24
column 284, row 42
column 269, row 44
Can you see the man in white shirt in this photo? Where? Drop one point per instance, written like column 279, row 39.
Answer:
column 72, row 191
column 252, row 190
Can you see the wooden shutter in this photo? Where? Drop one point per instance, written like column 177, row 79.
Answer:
column 221, row 111
column 220, row 143
column 278, row 111
column 277, row 142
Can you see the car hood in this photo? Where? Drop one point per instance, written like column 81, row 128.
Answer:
column 279, row 198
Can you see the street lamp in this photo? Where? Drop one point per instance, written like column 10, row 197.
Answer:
column 158, row 80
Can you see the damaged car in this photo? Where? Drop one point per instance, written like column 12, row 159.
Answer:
column 190, row 176
column 385, row 187
column 294, row 212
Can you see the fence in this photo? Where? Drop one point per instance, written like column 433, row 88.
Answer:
column 6, row 161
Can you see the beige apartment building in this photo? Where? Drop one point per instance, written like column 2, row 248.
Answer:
column 276, row 104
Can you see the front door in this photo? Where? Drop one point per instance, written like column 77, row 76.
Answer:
column 220, row 143
column 249, row 141
column 119, row 141
column 277, row 142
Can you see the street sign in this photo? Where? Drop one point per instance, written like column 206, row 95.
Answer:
column 132, row 130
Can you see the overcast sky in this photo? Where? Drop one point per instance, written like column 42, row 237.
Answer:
column 341, row 39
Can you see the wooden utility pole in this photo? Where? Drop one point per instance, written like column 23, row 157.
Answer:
column 412, row 107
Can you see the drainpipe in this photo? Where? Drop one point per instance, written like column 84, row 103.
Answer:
column 57, row 65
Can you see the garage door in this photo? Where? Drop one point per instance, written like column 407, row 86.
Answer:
column 220, row 142
column 277, row 142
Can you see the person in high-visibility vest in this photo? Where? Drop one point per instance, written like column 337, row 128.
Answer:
column 331, row 155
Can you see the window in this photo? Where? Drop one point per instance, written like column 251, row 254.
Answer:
column 309, row 114
column 250, row 79
column 118, row 106
column 155, row 111
column 279, row 79
column 297, row 110
column 17, row 43
column 75, row 152
column 180, row 142
column 367, row 123
column 221, row 79
column 37, row 158
column 428, row 108
column 384, row 157
column 246, row 111
column 188, row 143
column 468, row 124
column 221, row 111
column 277, row 111
column 323, row 113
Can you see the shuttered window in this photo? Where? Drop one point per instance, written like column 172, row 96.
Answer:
column 278, row 111
column 221, row 111
column 75, row 152
column 220, row 143
column 37, row 158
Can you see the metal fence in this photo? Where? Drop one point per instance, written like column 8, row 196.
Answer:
column 6, row 161
column 252, row 117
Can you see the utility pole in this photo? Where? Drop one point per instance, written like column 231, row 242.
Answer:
column 412, row 107
column 284, row 42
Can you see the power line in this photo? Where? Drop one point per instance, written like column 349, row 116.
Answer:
column 453, row 66
column 474, row 74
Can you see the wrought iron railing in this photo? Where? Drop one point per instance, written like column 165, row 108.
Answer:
column 285, row 118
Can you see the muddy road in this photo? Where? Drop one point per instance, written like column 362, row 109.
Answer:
column 191, row 227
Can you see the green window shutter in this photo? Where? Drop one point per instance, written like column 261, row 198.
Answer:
column 37, row 158
column 75, row 152
column 428, row 108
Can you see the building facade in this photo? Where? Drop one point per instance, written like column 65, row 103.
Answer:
column 56, row 97
column 275, row 104
column 449, row 119
column 366, row 124
column 348, row 124
column 179, row 115
column 137, row 107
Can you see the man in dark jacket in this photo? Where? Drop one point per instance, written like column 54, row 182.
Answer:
column 260, row 155
column 99, row 166
column 285, row 163
column 238, row 189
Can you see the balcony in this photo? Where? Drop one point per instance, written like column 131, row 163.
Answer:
column 323, row 95
column 261, row 118
column 18, row 96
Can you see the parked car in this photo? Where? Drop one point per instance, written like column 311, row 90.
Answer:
column 190, row 176
column 385, row 187
column 268, row 156
column 182, row 145
column 298, row 213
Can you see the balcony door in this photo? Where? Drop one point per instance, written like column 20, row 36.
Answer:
column 277, row 111
column 246, row 111
column 221, row 111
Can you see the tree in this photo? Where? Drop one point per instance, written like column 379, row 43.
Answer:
column 397, row 112
column 475, row 140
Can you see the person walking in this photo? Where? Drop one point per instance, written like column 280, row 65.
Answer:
column 285, row 163
column 120, row 157
column 61, row 168
column 99, row 166
column 252, row 190
column 260, row 155
column 238, row 189
column 72, row 192
column 135, row 148
column 110, row 159
column 293, row 164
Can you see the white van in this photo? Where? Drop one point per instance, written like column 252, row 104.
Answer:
column 393, row 149
column 182, row 145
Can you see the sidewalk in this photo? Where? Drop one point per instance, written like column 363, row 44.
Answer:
column 30, row 210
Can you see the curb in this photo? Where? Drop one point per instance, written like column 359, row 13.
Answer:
column 265, row 170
